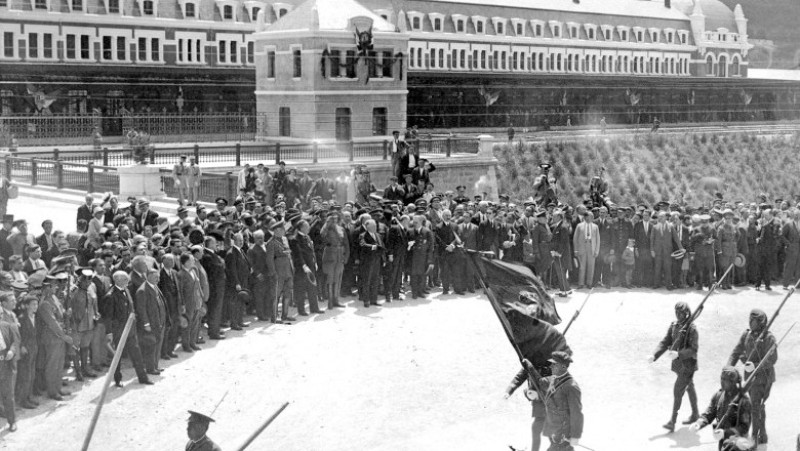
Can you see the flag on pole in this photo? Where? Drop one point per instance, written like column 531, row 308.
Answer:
column 523, row 306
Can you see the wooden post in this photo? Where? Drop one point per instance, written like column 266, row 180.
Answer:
column 109, row 378
column 238, row 154
column 90, row 169
column 9, row 169
column 350, row 150
column 314, row 152
column 231, row 186
column 34, row 172
column 197, row 154
column 59, row 174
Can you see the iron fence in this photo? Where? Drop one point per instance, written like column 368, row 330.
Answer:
column 60, row 174
column 268, row 153
column 212, row 185
column 44, row 130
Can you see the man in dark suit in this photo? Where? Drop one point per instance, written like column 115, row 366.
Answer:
column 602, row 274
column 85, row 210
column 421, row 257
column 423, row 172
column 371, row 250
column 305, row 267
column 643, row 274
column 120, row 306
column 145, row 217
column 281, row 271
column 5, row 248
column 112, row 211
column 257, row 256
column 790, row 239
column 214, row 265
column 151, row 321
column 468, row 232
column 45, row 241
column 304, row 186
column 450, row 253
column 323, row 187
column 168, row 284
column 396, row 249
column 766, row 246
column 394, row 191
column 237, row 275
column 9, row 352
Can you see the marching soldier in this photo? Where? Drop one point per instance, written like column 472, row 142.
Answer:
column 750, row 350
column 681, row 346
column 197, row 429
column 730, row 404
column 539, row 414
column 562, row 399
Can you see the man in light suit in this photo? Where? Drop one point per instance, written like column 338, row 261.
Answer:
column 586, row 245
column 662, row 240
column 191, row 299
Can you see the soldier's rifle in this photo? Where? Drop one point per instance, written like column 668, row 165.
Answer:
column 734, row 404
column 577, row 312
column 261, row 428
column 684, row 332
column 763, row 335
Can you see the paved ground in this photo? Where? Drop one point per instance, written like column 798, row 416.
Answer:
column 417, row 375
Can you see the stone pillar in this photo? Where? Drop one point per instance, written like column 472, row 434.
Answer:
column 141, row 181
column 486, row 146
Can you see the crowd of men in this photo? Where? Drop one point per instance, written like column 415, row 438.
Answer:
column 297, row 243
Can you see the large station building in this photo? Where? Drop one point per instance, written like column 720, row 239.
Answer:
column 462, row 62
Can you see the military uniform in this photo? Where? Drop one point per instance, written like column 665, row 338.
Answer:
column 281, row 272
column 750, row 346
column 562, row 399
column 684, row 365
column 420, row 258
column 732, row 405
column 703, row 244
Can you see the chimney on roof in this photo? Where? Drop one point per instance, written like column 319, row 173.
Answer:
column 577, row 2
column 667, row 4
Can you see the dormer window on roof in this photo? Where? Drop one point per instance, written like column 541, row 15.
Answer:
column 607, row 31
column 148, row 7
column 538, row 28
column 253, row 7
column 574, row 30
column 591, row 30
column 280, row 9
column 189, row 9
column 437, row 21
column 669, row 35
column 623, row 31
column 459, row 22
column 499, row 25
column 226, row 10
column 639, row 33
column 480, row 24
column 655, row 33
column 415, row 19
column 519, row 26
column 555, row 28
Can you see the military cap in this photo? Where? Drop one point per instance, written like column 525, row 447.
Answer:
column 545, row 166
column 221, row 200
column 195, row 417
column 436, row 199
column 477, row 198
column 529, row 203
column 560, row 357
column 461, row 187
column 250, row 200
column 335, row 207
column 421, row 202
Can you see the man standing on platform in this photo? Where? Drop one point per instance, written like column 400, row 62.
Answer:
column 180, row 176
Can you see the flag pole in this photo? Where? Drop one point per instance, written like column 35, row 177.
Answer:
column 506, row 326
column 114, row 362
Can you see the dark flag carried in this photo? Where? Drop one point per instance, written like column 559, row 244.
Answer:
column 528, row 314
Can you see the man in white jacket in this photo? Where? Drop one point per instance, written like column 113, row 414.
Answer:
column 586, row 244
